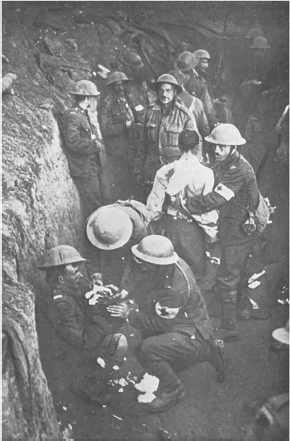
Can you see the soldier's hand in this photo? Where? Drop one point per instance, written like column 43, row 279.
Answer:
column 121, row 310
column 129, row 124
column 97, row 279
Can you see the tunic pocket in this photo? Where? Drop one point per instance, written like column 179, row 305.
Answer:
column 172, row 137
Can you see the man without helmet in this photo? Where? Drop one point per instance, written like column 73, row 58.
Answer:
column 171, row 314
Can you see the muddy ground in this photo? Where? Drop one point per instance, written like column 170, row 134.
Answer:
column 255, row 370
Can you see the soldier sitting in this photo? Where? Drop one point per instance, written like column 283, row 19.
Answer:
column 81, row 327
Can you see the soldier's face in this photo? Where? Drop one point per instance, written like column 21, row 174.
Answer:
column 118, row 87
column 222, row 152
column 203, row 65
column 93, row 101
column 166, row 93
column 72, row 276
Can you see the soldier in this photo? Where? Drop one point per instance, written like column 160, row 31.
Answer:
column 235, row 194
column 179, row 180
column 193, row 104
column 111, row 231
column 81, row 328
column 196, row 84
column 172, row 316
column 163, row 122
column 118, row 123
column 142, row 95
column 83, row 145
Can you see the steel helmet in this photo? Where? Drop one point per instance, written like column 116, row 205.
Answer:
column 132, row 59
column 225, row 134
column 179, row 76
column 260, row 43
column 60, row 255
column 109, row 228
column 155, row 249
column 116, row 76
column 185, row 61
column 85, row 88
column 166, row 78
column 201, row 53
column 254, row 33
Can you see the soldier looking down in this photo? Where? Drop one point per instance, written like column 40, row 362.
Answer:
column 82, row 331
column 196, row 84
column 172, row 316
column 118, row 123
column 83, row 145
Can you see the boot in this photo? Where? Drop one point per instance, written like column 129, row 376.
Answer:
column 228, row 330
column 216, row 359
column 167, row 399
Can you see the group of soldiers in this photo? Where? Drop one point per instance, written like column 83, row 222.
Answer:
column 146, row 258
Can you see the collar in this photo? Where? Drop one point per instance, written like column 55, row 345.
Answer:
column 64, row 290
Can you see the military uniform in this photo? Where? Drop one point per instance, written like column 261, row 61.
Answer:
column 119, row 144
column 172, row 318
column 197, row 86
column 82, row 148
column 235, row 193
column 67, row 313
column 85, row 336
column 159, row 138
column 194, row 105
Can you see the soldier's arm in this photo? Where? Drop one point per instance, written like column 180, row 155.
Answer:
column 208, row 106
column 142, row 148
column 156, row 197
column 190, row 122
column 109, row 125
column 202, row 122
column 166, row 309
column 74, row 139
column 65, row 323
column 225, row 190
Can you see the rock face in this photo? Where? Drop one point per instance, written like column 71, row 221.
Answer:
column 27, row 408
column 41, row 208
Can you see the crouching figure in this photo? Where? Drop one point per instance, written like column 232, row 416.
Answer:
column 171, row 314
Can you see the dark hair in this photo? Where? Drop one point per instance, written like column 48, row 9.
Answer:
column 53, row 273
column 188, row 140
